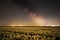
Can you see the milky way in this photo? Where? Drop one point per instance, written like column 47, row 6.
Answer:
column 18, row 12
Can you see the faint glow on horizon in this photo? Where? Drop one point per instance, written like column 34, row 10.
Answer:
column 16, row 25
column 35, row 20
column 54, row 25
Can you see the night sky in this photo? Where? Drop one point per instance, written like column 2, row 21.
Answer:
column 29, row 12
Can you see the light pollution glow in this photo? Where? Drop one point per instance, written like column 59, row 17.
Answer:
column 37, row 20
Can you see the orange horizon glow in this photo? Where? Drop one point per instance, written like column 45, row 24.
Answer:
column 35, row 20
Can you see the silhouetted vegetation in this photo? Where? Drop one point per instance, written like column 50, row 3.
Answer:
column 42, row 34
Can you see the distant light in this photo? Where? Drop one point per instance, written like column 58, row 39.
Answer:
column 16, row 25
column 54, row 25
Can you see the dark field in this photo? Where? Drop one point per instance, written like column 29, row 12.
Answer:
column 29, row 33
